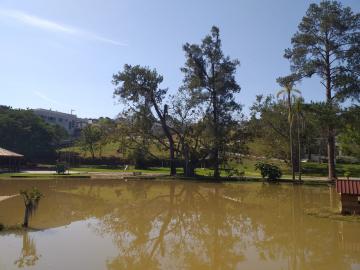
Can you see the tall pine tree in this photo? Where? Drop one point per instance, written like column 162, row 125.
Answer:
column 327, row 44
column 210, row 78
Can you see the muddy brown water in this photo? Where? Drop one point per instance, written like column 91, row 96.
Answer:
column 112, row 224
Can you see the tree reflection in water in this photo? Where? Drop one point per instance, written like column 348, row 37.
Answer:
column 189, row 224
column 176, row 225
column 28, row 256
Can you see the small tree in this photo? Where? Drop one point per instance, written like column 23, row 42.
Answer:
column 31, row 200
column 89, row 139
column 288, row 92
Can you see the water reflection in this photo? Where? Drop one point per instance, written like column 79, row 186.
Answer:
column 28, row 255
column 187, row 225
column 213, row 227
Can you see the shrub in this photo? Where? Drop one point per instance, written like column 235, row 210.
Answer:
column 139, row 158
column 347, row 174
column 1, row 227
column 268, row 171
column 235, row 172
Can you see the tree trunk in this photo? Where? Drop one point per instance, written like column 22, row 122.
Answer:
column 162, row 117
column 92, row 152
column 331, row 154
column 309, row 152
column 299, row 150
column 291, row 137
column 26, row 217
column 331, row 132
column 216, row 136
column 172, row 157
column 189, row 168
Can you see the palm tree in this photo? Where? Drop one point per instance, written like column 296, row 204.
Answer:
column 289, row 93
column 300, row 124
column 31, row 201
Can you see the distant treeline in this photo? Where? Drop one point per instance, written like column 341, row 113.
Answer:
column 25, row 133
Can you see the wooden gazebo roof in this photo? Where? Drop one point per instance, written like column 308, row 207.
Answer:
column 7, row 153
column 351, row 187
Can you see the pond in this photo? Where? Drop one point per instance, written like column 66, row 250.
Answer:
column 113, row 224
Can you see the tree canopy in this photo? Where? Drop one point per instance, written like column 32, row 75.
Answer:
column 209, row 77
column 24, row 132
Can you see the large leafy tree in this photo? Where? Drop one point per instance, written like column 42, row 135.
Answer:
column 327, row 44
column 140, row 86
column 190, row 128
column 210, row 77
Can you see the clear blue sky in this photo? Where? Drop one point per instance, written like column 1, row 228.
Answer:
column 61, row 54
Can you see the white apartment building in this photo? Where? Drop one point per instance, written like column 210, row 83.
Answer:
column 68, row 121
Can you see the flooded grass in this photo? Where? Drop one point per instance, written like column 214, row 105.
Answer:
column 332, row 214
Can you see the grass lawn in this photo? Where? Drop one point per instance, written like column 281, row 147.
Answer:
column 247, row 166
column 109, row 169
column 110, row 150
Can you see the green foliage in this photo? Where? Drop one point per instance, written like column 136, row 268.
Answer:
column 140, row 88
column 23, row 132
column 349, row 137
column 89, row 139
column 210, row 81
column 269, row 171
column 235, row 172
column 269, row 128
column 347, row 173
column 139, row 85
column 327, row 44
column 139, row 158
column 1, row 227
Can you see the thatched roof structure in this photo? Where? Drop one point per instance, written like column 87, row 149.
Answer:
column 7, row 153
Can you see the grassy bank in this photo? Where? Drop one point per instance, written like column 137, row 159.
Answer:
column 311, row 171
column 247, row 166
column 41, row 175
